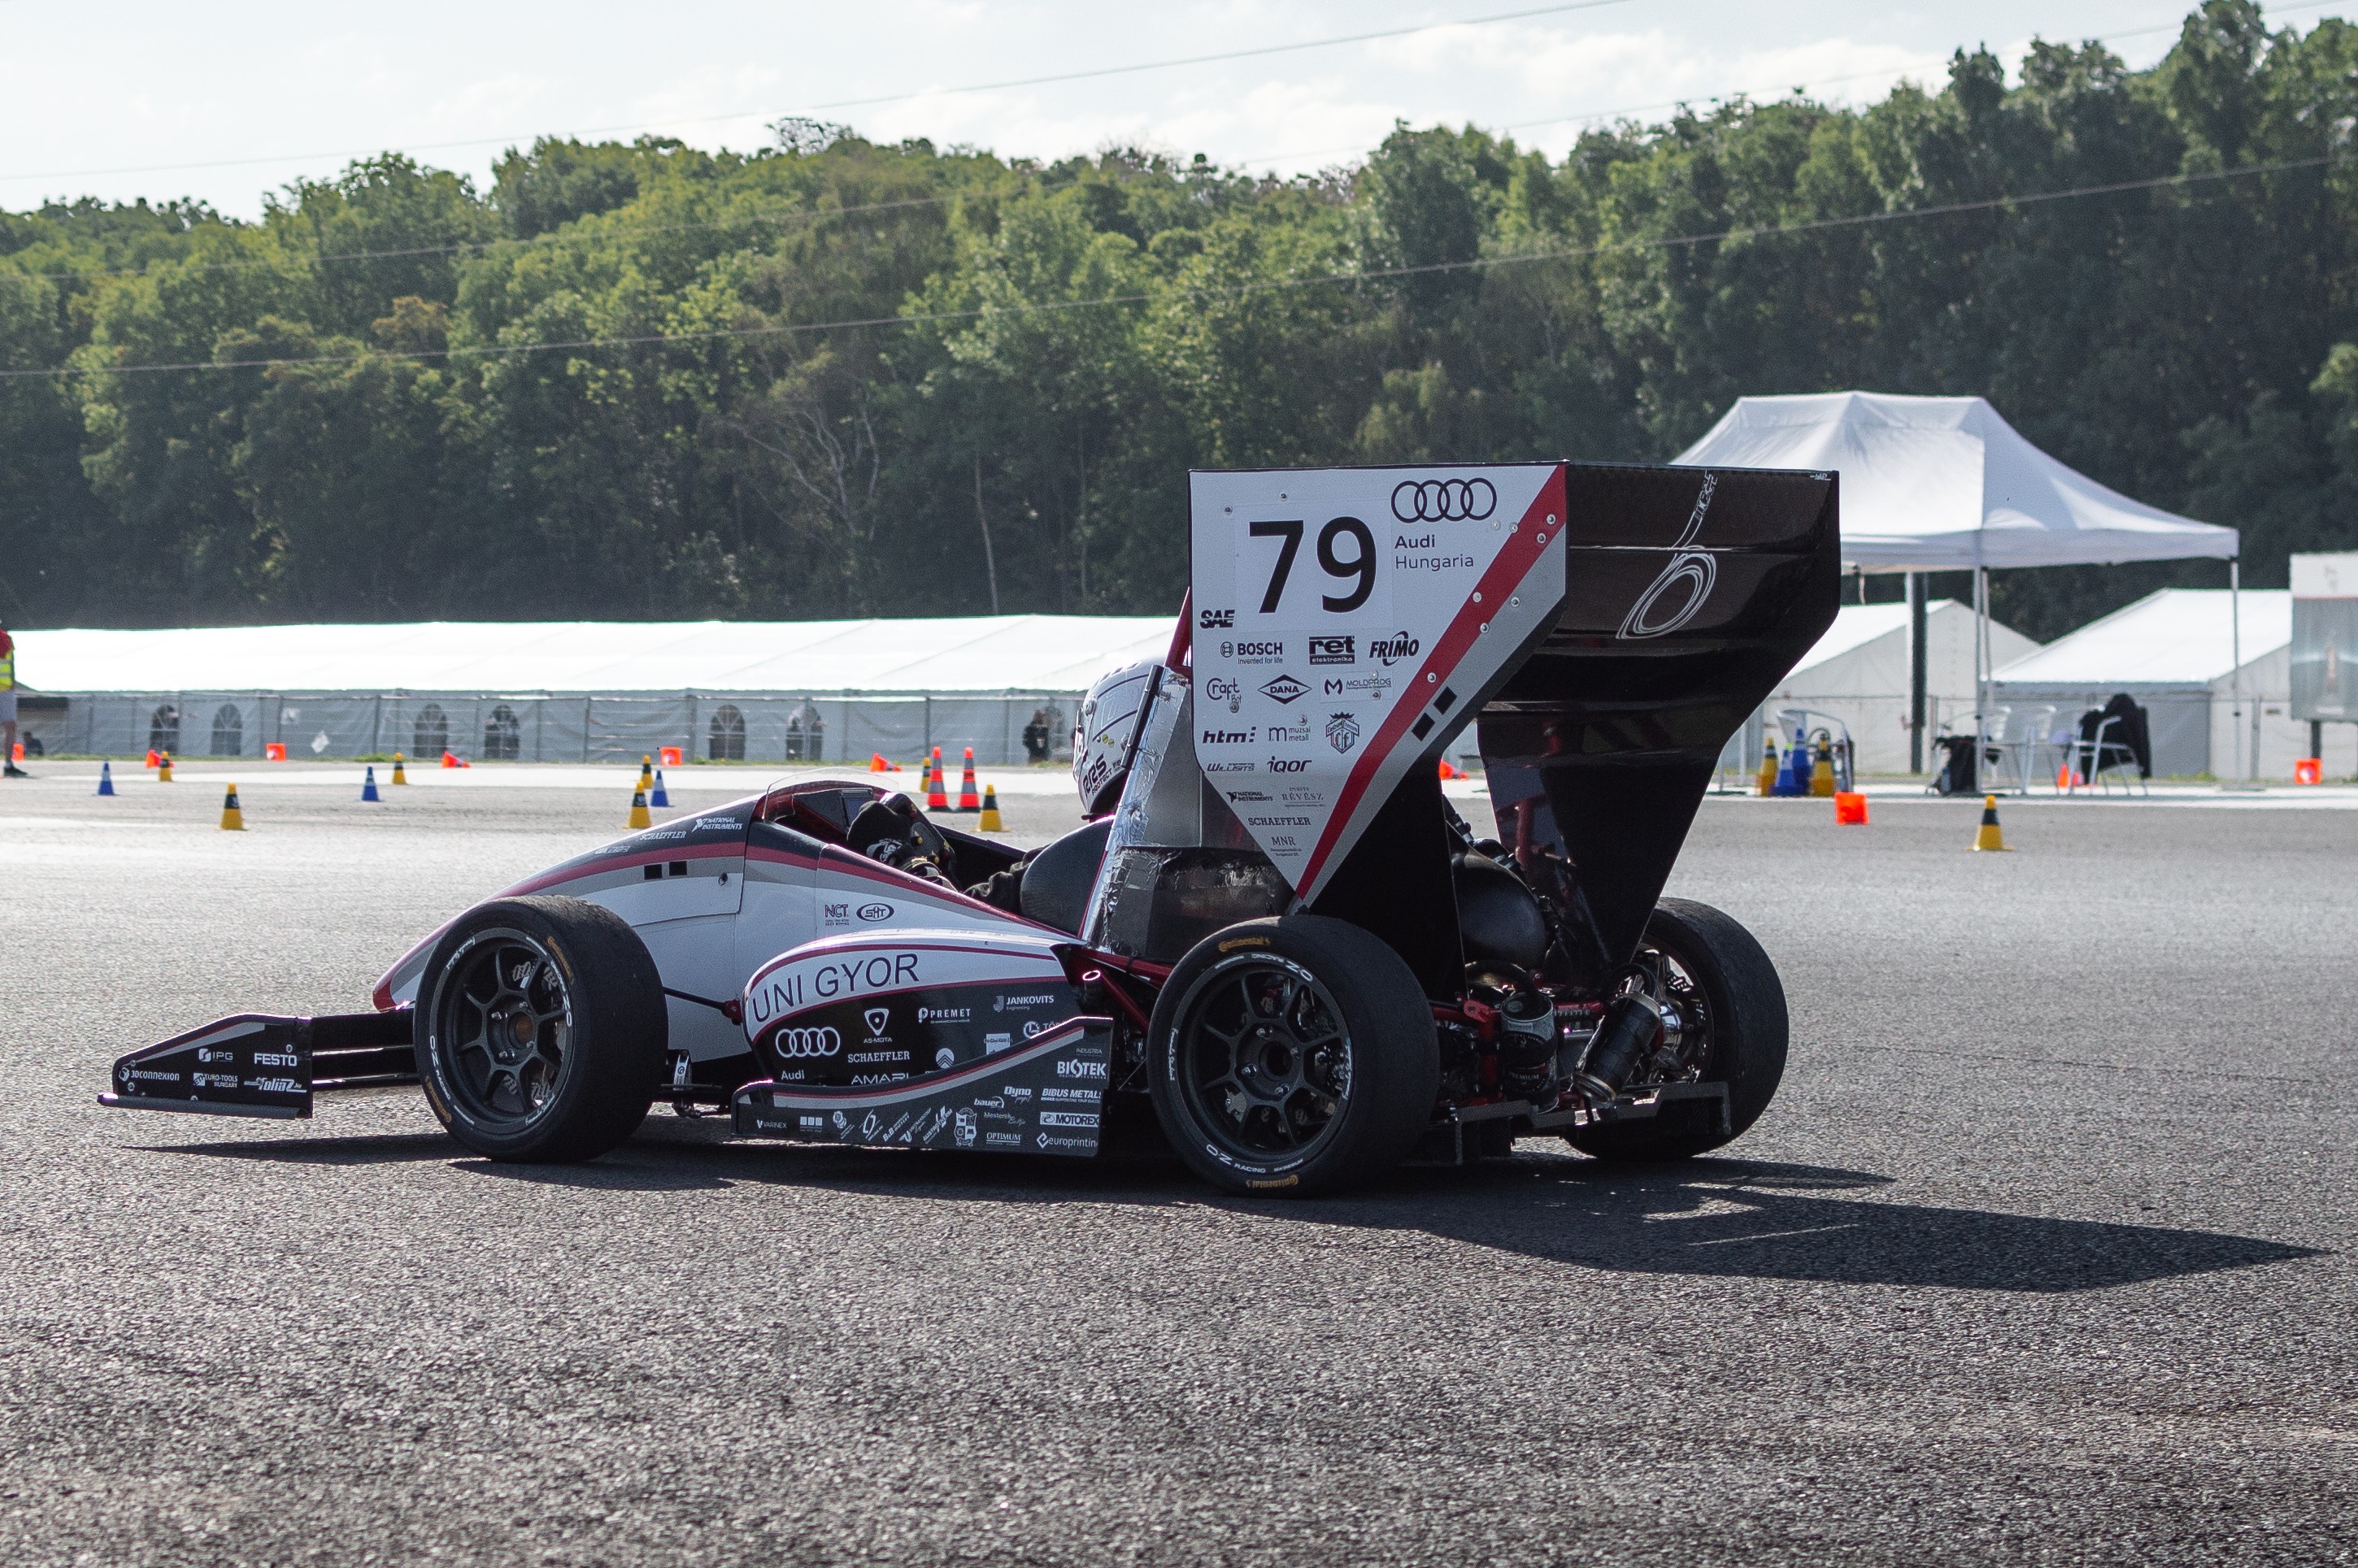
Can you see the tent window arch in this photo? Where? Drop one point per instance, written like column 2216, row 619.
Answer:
column 229, row 732
column 805, row 734
column 502, row 736
column 429, row 733
column 164, row 729
column 725, row 736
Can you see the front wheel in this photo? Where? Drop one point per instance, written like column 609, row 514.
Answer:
column 1733, row 1028
column 540, row 1029
column 1293, row 1056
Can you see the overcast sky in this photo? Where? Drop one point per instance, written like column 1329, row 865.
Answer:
column 136, row 98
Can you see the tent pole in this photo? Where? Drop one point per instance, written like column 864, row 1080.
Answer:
column 2235, row 635
column 1981, row 656
column 1916, row 670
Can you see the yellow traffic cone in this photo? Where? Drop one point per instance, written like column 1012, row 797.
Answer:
column 233, row 819
column 1989, row 838
column 647, row 772
column 398, row 776
column 1821, row 777
column 163, row 768
column 639, row 817
column 1767, row 781
column 990, row 822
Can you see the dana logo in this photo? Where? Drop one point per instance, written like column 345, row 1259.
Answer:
column 1215, row 620
column 873, row 912
column 1289, row 764
column 1227, row 738
column 1284, row 689
column 1392, row 650
column 1332, row 651
column 1343, row 731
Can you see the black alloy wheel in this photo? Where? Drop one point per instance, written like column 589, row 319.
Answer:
column 1265, row 1059
column 1293, row 1056
column 506, row 1025
column 541, row 1029
column 1732, row 1028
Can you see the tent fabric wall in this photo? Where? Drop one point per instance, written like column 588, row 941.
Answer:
column 1858, row 672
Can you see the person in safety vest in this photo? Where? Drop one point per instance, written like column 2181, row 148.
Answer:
column 9, row 707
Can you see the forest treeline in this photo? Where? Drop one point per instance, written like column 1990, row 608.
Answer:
column 837, row 377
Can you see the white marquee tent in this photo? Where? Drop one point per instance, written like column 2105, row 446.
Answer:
column 810, row 690
column 1945, row 485
column 2175, row 651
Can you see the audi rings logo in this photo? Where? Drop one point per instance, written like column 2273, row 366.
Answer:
column 1443, row 499
column 791, row 1043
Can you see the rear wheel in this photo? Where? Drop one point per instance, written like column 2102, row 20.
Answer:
column 1733, row 1028
column 540, row 1029
column 1293, row 1056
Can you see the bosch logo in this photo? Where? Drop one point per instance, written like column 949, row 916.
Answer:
column 792, row 1044
column 873, row 912
column 1443, row 499
column 1215, row 620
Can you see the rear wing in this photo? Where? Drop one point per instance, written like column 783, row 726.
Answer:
column 1609, row 626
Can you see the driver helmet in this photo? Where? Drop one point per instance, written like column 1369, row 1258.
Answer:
column 1105, row 738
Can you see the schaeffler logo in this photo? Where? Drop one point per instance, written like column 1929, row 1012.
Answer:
column 1443, row 499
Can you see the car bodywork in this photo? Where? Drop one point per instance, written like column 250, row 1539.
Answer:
column 1607, row 628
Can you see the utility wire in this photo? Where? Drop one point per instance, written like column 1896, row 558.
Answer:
column 1096, row 73
column 1747, row 231
column 571, row 235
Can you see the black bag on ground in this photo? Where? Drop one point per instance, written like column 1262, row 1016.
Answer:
column 1958, row 774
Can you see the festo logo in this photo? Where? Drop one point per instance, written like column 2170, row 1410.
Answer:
column 792, row 1044
column 1392, row 650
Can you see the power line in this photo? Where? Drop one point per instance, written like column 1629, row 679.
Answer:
column 1747, row 232
column 1091, row 75
column 816, row 213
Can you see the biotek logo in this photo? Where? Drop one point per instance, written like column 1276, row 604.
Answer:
column 1392, row 650
column 1215, row 620
column 1289, row 764
column 1284, row 689
column 1332, row 651
column 1069, row 1068
column 1226, row 737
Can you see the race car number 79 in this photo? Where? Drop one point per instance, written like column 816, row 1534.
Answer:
column 1360, row 563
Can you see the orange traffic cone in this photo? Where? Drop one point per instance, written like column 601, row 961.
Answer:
column 877, row 764
column 937, row 797
column 969, row 800
column 151, row 758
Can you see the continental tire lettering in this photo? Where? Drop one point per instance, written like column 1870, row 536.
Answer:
column 1230, row 946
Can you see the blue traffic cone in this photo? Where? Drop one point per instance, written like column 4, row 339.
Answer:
column 659, row 800
column 368, row 785
column 106, row 778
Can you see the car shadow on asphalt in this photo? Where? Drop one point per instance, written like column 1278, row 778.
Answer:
column 1715, row 1217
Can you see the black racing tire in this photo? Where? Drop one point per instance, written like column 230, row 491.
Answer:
column 1293, row 1056
column 1743, row 1008
column 540, row 1029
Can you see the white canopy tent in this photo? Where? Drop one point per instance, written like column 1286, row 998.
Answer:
column 1945, row 485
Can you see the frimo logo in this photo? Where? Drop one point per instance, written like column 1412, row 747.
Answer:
column 1392, row 650
column 1443, row 499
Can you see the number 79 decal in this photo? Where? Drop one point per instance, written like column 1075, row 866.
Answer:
column 1361, row 564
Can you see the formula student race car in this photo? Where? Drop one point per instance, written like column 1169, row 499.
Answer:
column 1273, row 929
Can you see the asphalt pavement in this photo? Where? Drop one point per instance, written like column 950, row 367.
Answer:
column 2042, row 1255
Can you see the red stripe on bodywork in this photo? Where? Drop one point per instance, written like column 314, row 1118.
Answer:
column 1506, row 572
